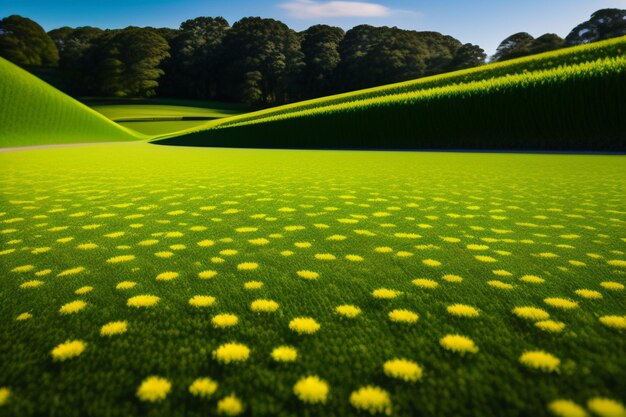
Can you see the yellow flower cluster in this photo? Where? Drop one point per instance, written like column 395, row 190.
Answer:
column 403, row 316
column 371, row 399
column 139, row 301
column 154, row 389
column 247, row 266
column 203, row 387
column 222, row 321
column 311, row 389
column 347, row 310
column 458, row 344
column 385, row 294
column 403, row 369
column 264, row 306
column 425, row 283
column 231, row 352
column 284, row 354
column 68, row 350
column 230, row 406
column 561, row 303
column 462, row 310
column 201, row 301
column 73, row 307
column 113, row 328
column 308, row 274
column 304, row 325
column 167, row 276
column 540, row 360
column 531, row 313
column 207, row 274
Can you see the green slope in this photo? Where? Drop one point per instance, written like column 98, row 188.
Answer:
column 35, row 113
column 566, row 99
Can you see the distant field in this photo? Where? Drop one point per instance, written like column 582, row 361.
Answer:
column 385, row 256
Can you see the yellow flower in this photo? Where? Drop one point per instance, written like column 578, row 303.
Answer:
column 125, row 285
column 205, row 243
column 431, row 262
column 230, row 406
column 407, row 235
column 355, row 258
column 167, row 276
column 201, row 301
column 566, row 408
column 302, row 245
column 5, row 393
column 452, row 278
column 207, row 274
column 617, row 262
column 609, row 285
column 24, row 316
column 68, row 350
column 605, row 407
column 252, row 285
column 23, row 268
column 154, row 389
column 246, row 229
column 403, row 254
column 403, row 369
column 425, row 283
column 72, row 271
column 540, row 360
column 349, row 311
column 462, row 310
column 325, row 256
column 383, row 249
column 531, row 313
column 308, row 274
column 247, row 266
column 304, row 325
column 532, row 279
column 284, row 354
column 121, row 258
column 550, row 325
column 477, row 247
column 73, row 307
column 386, row 294
column 459, row 344
column 311, row 389
column 142, row 301
column 115, row 327
column 231, row 352
column 483, row 258
column 617, row 322
column 403, row 316
column 83, row 290
column 164, row 254
column 32, row 284
column 287, row 253
column 500, row 285
column 148, row 242
column 229, row 252
column 502, row 273
column 222, row 321
column 264, row 306
column 588, row 293
column 203, row 387
column 371, row 399
column 560, row 303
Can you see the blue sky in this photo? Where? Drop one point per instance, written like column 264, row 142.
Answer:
column 483, row 22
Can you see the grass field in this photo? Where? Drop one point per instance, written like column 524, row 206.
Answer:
column 35, row 113
column 517, row 253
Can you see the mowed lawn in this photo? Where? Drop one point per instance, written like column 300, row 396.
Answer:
column 416, row 247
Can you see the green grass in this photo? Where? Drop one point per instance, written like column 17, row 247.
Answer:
column 560, row 218
column 568, row 99
column 161, row 128
column 34, row 113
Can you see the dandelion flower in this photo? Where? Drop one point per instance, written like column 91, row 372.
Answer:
column 550, row 326
column 73, row 307
column 325, row 256
column 311, row 389
column 588, row 294
column 452, row 278
column 87, row 246
column 24, row 316
column 371, row 399
column 349, row 311
column 230, row 406
column 203, row 387
column 154, row 389
column 560, row 303
column 425, row 283
column 231, row 352
column 385, row 294
column 462, row 310
column 616, row 322
column 142, row 301
column 304, row 325
column 308, row 274
column 615, row 286
column 502, row 273
column 354, row 258
column 459, row 344
column 201, row 301
column 252, row 285
column 403, row 369
column 403, row 316
column 5, row 393
column 222, row 321
column 483, row 258
column 83, row 290
column 477, row 247
column 72, row 271
column 431, row 262
column 264, row 306
column 68, row 350
column 540, row 360
column 207, row 274
column 532, row 279
column 247, row 266
column 284, row 354
column 32, row 284
column 121, row 258
column 531, row 313
column 383, row 249
column 125, row 285
column 23, row 268
column 115, row 327
column 500, row 285
column 403, row 254
column 229, row 252
column 566, row 408
column 287, row 253
column 617, row 262
column 167, row 276
column 164, row 254
column 206, row 243
column 605, row 407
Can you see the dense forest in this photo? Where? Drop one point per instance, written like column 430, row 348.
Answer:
column 257, row 61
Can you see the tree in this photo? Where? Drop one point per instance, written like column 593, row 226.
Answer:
column 467, row 56
column 604, row 24
column 25, row 43
column 514, row 46
column 321, row 57
column 546, row 42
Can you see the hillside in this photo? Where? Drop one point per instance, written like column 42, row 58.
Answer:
column 34, row 113
column 569, row 99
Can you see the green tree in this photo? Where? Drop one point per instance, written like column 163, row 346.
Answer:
column 321, row 56
column 604, row 24
column 546, row 42
column 514, row 46
column 468, row 56
column 25, row 43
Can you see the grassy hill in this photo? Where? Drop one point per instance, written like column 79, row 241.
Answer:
column 35, row 113
column 567, row 99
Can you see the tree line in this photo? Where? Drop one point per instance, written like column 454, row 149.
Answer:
column 257, row 61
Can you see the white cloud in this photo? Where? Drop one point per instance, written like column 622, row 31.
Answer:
column 311, row 9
